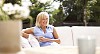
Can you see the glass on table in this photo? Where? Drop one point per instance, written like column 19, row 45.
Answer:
column 86, row 45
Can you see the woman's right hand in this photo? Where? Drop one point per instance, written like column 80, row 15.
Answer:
column 25, row 35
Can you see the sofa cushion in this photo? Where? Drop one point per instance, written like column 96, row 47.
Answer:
column 65, row 35
column 24, row 43
column 30, row 42
column 79, row 31
column 33, row 41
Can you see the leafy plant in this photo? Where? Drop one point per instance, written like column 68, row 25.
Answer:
column 39, row 6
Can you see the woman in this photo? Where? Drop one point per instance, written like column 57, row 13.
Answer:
column 45, row 33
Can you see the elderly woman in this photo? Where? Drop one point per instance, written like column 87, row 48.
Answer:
column 44, row 33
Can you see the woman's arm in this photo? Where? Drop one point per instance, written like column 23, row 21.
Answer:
column 55, row 36
column 26, row 32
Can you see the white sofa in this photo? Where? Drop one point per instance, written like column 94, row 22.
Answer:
column 69, row 35
column 86, row 31
column 65, row 35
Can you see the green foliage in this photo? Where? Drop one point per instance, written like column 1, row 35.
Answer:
column 95, row 14
column 38, row 7
column 3, row 15
column 88, row 9
column 64, row 10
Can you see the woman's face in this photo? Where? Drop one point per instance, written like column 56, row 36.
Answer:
column 44, row 21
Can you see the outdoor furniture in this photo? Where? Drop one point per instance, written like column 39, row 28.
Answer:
column 55, row 50
column 69, row 35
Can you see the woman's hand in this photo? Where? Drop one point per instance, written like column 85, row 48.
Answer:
column 25, row 35
column 43, row 39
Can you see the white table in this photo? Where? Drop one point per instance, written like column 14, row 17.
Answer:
column 55, row 50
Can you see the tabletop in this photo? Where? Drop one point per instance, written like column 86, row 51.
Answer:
column 55, row 50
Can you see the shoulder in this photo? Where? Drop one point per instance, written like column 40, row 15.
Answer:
column 50, row 26
column 36, row 27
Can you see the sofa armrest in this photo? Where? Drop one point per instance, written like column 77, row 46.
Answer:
column 30, row 42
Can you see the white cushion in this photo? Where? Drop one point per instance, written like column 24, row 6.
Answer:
column 79, row 31
column 65, row 35
column 30, row 42
column 24, row 43
column 33, row 41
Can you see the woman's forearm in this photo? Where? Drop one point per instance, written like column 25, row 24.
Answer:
column 25, row 35
column 55, row 40
column 26, row 32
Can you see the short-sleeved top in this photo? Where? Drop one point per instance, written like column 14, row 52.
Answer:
column 48, row 34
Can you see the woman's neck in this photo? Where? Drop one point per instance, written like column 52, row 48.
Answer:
column 43, row 28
